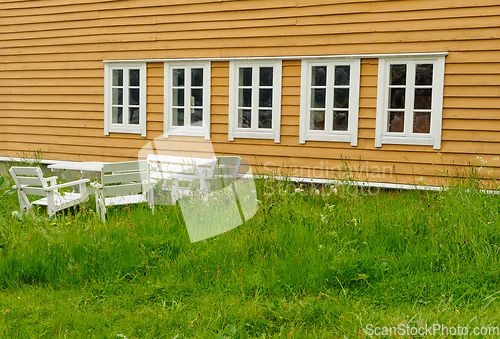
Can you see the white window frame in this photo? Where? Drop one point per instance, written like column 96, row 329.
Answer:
column 125, row 127
column 305, row 133
column 382, row 136
column 187, row 129
column 254, row 132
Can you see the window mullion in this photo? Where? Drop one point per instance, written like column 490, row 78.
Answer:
column 410, row 94
column 255, row 98
column 330, row 76
column 126, row 90
column 187, row 96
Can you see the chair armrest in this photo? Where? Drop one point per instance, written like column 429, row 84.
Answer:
column 67, row 184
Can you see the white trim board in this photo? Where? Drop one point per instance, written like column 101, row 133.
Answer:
column 291, row 57
column 304, row 180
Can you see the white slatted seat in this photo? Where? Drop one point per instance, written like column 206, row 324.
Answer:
column 124, row 183
column 174, row 169
column 221, row 170
column 227, row 167
column 30, row 181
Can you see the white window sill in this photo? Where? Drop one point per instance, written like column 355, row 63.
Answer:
column 418, row 141
column 255, row 135
column 338, row 137
column 191, row 132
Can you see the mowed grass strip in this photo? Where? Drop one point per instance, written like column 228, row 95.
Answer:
column 311, row 263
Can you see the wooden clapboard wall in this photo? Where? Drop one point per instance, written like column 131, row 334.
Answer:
column 52, row 75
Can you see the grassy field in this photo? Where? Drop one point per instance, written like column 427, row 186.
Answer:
column 307, row 265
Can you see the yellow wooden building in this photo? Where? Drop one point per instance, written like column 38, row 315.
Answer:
column 404, row 90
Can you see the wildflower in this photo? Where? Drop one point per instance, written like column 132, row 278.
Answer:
column 495, row 159
column 299, row 190
column 53, row 224
column 15, row 213
column 316, row 192
column 68, row 223
column 320, row 247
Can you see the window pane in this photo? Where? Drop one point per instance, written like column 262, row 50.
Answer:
column 397, row 98
column 134, row 115
column 178, row 97
column 117, row 96
column 342, row 75
column 341, row 98
column 135, row 78
column 118, row 77
column 317, row 120
column 197, row 77
column 265, row 98
column 421, row 122
column 178, row 116
column 398, row 75
column 197, row 97
column 266, row 76
column 197, row 117
column 244, row 118
column 318, row 97
column 265, row 118
column 133, row 96
column 178, row 77
column 117, row 117
column 340, row 121
column 423, row 98
column 245, row 98
column 423, row 75
column 396, row 122
column 318, row 76
column 245, row 76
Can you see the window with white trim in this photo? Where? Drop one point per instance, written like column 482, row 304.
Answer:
column 187, row 99
column 255, row 99
column 125, row 98
column 329, row 100
column 410, row 101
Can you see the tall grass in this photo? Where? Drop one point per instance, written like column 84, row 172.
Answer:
column 308, row 263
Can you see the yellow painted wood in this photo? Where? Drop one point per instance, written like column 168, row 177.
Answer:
column 51, row 74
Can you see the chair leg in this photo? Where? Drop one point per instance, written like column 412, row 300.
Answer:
column 51, row 206
column 24, row 203
column 100, row 205
column 152, row 199
column 175, row 191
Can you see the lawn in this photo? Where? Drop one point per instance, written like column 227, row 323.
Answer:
column 311, row 263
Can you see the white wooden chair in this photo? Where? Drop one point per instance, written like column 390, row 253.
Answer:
column 220, row 172
column 124, row 183
column 30, row 181
column 227, row 167
column 173, row 170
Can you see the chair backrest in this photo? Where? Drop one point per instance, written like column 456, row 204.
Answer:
column 227, row 166
column 29, row 180
column 124, row 178
column 165, row 164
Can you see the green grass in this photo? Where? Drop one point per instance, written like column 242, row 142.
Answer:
column 305, row 266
